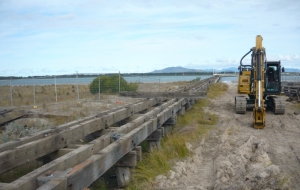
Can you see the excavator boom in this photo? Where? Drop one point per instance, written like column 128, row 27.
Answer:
column 259, row 111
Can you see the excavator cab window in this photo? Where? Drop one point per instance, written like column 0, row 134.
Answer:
column 272, row 78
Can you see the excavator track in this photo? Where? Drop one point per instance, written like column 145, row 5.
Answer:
column 279, row 105
column 240, row 104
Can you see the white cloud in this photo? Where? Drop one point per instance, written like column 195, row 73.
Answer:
column 289, row 58
column 140, row 36
column 285, row 57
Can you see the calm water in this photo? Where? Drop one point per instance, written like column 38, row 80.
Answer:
column 87, row 80
column 154, row 79
column 283, row 78
column 229, row 79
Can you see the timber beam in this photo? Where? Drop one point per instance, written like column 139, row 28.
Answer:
column 54, row 140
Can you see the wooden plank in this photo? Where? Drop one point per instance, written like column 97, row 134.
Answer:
column 137, row 107
column 61, row 166
column 91, row 169
column 123, row 176
column 155, row 136
column 95, row 146
column 32, row 150
column 69, row 160
column 164, row 115
column 129, row 160
column 3, row 185
column 164, row 94
column 105, row 140
column 54, row 184
column 8, row 116
column 138, row 150
column 39, row 135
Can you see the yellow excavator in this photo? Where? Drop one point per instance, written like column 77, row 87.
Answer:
column 261, row 81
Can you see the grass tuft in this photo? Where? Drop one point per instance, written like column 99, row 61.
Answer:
column 216, row 90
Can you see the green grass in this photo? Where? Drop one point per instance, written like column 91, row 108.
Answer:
column 98, row 185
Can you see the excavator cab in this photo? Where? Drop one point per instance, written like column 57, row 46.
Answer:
column 273, row 78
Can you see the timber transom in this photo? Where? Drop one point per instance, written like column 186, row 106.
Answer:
column 75, row 166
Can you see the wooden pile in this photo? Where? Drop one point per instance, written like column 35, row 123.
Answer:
column 292, row 90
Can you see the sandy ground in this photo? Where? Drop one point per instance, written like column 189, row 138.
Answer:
column 236, row 156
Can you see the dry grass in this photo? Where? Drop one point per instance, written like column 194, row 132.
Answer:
column 216, row 90
column 45, row 94
column 190, row 128
column 24, row 96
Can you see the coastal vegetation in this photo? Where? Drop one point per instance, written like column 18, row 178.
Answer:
column 111, row 84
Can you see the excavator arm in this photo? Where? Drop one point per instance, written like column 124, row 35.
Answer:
column 259, row 110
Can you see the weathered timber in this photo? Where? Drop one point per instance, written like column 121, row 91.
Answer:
column 4, row 111
column 167, row 129
column 193, row 101
column 28, row 181
column 43, row 179
column 154, row 140
column 188, row 106
column 55, row 184
column 35, row 149
column 172, row 120
column 123, row 176
column 182, row 111
column 138, row 106
column 163, row 94
column 9, row 115
column 3, row 185
column 62, row 163
column 69, row 160
column 39, row 135
column 155, row 136
column 55, row 155
column 91, row 169
column 138, row 150
column 292, row 91
column 129, row 160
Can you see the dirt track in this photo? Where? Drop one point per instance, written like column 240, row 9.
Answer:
column 236, row 156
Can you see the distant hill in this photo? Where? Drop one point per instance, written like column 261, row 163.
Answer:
column 291, row 70
column 185, row 70
column 175, row 70
column 230, row 69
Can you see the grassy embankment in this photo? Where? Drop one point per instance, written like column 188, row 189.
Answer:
column 190, row 128
column 45, row 94
column 24, row 96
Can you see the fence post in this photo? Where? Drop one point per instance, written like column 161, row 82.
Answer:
column 34, row 103
column 119, row 80
column 55, row 89
column 139, row 82
column 77, row 87
column 11, row 98
column 159, row 84
column 99, row 87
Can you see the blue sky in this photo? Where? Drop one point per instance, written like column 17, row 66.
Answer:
column 94, row 36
